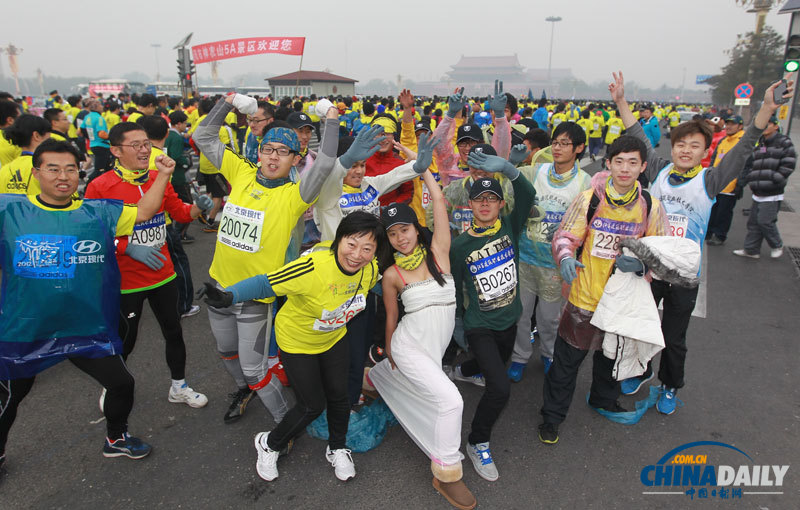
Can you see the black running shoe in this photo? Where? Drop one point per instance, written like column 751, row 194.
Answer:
column 548, row 433
column 238, row 404
column 616, row 408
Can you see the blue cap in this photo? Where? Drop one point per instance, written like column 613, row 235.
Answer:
column 283, row 135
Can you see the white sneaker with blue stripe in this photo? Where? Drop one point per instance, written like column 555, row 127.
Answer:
column 481, row 457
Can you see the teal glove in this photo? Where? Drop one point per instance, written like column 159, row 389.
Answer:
column 569, row 269
column 365, row 145
column 497, row 102
column 425, row 146
column 147, row 255
column 628, row 264
column 518, row 154
column 203, row 202
column 492, row 164
column 455, row 103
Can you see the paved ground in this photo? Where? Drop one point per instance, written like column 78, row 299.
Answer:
column 741, row 389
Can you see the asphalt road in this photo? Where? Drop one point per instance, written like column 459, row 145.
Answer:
column 741, row 390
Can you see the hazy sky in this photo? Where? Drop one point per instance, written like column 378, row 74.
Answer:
column 651, row 41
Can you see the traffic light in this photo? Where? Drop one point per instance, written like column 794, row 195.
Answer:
column 791, row 60
column 181, row 67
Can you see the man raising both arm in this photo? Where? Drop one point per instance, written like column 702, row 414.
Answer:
column 687, row 191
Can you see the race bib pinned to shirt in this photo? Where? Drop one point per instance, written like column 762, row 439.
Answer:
column 331, row 320
column 608, row 234
column 152, row 232
column 241, row 228
column 494, row 273
column 678, row 225
column 462, row 218
column 366, row 201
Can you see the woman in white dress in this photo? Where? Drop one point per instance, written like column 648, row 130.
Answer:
column 410, row 380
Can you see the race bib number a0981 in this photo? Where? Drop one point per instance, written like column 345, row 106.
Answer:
column 494, row 273
column 332, row 320
column 240, row 228
column 152, row 232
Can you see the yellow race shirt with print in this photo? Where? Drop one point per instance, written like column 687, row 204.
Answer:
column 112, row 119
column 255, row 225
column 134, row 116
column 17, row 177
column 8, row 151
column 125, row 223
column 321, row 300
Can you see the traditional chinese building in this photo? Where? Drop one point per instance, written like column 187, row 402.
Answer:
column 486, row 69
column 305, row 83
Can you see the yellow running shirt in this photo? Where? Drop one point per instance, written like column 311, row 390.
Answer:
column 8, row 151
column 256, row 224
column 321, row 299
column 17, row 177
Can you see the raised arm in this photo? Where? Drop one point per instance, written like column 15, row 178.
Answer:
column 151, row 201
column 441, row 226
column 734, row 161
column 501, row 138
column 206, row 136
column 312, row 181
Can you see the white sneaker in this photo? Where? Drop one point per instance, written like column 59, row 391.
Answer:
column 456, row 375
column 194, row 310
column 743, row 253
column 342, row 463
column 102, row 401
column 776, row 253
column 267, row 463
column 481, row 456
column 187, row 396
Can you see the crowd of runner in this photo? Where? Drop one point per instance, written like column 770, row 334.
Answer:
column 421, row 232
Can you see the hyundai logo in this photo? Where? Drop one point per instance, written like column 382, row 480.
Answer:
column 86, row 247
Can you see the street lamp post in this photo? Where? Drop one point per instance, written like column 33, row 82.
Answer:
column 155, row 50
column 553, row 20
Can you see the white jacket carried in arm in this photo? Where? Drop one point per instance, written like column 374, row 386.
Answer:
column 627, row 311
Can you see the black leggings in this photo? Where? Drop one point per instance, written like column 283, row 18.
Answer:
column 317, row 380
column 110, row 372
column 163, row 301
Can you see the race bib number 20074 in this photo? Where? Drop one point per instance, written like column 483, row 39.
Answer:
column 240, row 228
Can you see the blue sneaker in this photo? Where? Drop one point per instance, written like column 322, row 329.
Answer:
column 126, row 446
column 633, row 384
column 515, row 371
column 667, row 401
column 547, row 362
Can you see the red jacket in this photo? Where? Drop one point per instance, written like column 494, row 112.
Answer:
column 715, row 139
column 135, row 275
column 383, row 162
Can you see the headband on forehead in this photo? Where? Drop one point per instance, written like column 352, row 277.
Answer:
column 283, row 135
column 388, row 125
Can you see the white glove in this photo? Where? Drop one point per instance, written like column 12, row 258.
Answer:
column 245, row 104
column 322, row 107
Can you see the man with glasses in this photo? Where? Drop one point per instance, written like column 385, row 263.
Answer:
column 257, row 125
column 256, row 226
column 556, row 184
column 484, row 265
column 58, row 263
column 143, row 256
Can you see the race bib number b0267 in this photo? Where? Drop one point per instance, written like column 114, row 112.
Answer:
column 494, row 273
column 240, row 228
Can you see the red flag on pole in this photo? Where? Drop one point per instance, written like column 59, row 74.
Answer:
column 233, row 48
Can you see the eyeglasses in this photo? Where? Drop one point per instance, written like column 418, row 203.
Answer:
column 489, row 198
column 137, row 146
column 282, row 151
column 557, row 143
column 55, row 170
column 466, row 143
column 252, row 120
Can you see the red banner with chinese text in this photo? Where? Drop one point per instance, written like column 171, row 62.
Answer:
column 233, row 48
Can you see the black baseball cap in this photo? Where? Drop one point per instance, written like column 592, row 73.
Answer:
column 396, row 213
column 471, row 132
column 422, row 126
column 485, row 185
column 485, row 148
column 298, row 119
